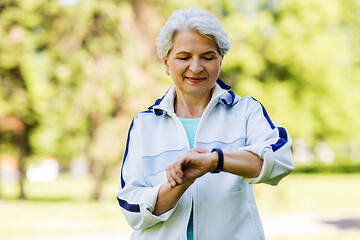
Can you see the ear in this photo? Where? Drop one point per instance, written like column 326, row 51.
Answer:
column 166, row 66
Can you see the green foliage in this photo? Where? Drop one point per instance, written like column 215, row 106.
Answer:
column 76, row 74
column 349, row 167
column 70, row 73
column 297, row 57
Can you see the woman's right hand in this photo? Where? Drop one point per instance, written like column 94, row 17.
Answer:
column 181, row 174
column 191, row 165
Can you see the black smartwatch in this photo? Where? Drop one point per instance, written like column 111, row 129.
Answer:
column 220, row 165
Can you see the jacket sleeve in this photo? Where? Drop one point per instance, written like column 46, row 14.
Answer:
column 270, row 142
column 136, row 197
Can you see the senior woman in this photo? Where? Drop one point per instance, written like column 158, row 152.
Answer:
column 192, row 157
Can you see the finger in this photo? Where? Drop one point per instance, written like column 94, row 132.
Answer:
column 170, row 179
column 178, row 170
column 172, row 176
column 176, row 173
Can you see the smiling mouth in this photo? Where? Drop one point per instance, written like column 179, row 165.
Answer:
column 195, row 79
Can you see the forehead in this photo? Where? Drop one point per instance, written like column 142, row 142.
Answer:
column 193, row 42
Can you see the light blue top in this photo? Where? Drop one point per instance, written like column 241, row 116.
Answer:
column 190, row 125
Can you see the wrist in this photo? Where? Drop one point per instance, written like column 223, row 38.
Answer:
column 179, row 188
column 214, row 161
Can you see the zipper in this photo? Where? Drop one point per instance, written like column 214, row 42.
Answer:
column 208, row 108
column 193, row 203
column 190, row 200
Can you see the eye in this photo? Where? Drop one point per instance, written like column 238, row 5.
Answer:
column 208, row 57
column 184, row 58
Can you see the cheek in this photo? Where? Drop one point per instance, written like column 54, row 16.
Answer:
column 178, row 67
column 214, row 68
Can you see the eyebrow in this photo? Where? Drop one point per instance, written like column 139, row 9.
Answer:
column 182, row 52
column 209, row 52
column 205, row 53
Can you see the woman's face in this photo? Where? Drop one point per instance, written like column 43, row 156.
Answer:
column 194, row 63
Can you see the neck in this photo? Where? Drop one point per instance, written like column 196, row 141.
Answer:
column 191, row 106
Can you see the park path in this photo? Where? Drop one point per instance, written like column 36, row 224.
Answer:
column 317, row 223
column 306, row 224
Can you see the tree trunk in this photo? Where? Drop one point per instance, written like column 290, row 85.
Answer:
column 96, row 164
column 18, row 128
column 0, row 169
column 98, row 173
column 22, row 152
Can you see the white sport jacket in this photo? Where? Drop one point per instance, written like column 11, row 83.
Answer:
column 223, row 204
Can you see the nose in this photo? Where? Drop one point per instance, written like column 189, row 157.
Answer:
column 195, row 65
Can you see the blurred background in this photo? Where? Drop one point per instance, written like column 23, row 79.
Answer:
column 73, row 73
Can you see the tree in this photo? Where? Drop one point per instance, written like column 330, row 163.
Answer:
column 298, row 58
column 74, row 73
column 82, row 75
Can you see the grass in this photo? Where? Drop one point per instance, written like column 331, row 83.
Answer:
column 22, row 219
column 309, row 192
column 58, row 208
column 63, row 207
column 316, row 194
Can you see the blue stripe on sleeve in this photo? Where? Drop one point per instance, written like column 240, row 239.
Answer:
column 124, row 204
column 125, row 154
column 283, row 139
column 129, row 207
column 266, row 115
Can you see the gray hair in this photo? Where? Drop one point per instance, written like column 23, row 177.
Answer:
column 193, row 19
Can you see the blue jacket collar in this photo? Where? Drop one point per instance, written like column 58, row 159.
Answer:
column 221, row 91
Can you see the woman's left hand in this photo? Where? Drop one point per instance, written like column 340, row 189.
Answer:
column 191, row 165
